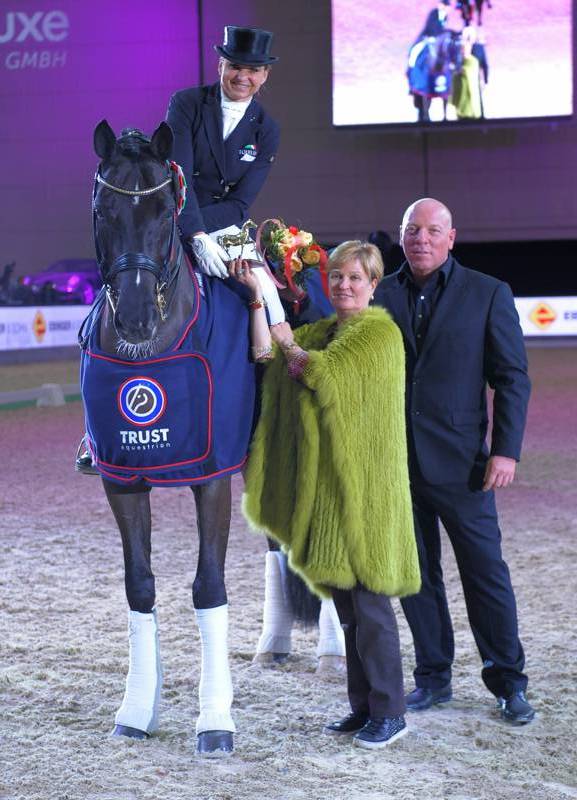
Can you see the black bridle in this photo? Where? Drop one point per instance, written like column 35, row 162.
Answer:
column 164, row 273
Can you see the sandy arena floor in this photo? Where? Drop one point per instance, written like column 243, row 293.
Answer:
column 63, row 644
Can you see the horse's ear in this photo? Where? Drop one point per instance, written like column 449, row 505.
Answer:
column 161, row 141
column 104, row 140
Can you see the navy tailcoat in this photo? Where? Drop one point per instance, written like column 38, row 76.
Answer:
column 223, row 178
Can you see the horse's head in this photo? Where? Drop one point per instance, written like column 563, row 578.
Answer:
column 134, row 214
column 445, row 51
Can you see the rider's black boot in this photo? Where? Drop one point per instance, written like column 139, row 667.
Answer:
column 83, row 461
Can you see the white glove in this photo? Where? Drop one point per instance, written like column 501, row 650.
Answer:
column 210, row 256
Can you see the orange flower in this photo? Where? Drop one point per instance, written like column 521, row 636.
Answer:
column 310, row 257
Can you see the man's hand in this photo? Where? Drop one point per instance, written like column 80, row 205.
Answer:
column 210, row 257
column 499, row 472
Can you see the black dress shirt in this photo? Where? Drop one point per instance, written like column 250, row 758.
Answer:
column 424, row 299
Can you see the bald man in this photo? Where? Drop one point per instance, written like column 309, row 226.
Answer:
column 461, row 333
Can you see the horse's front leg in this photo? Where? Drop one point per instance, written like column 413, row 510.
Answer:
column 137, row 716
column 214, row 726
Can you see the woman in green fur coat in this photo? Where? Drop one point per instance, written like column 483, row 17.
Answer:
column 327, row 477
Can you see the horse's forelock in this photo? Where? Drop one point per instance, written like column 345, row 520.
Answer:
column 132, row 142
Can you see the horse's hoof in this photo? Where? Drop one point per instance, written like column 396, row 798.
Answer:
column 215, row 744
column 131, row 733
column 269, row 659
column 331, row 665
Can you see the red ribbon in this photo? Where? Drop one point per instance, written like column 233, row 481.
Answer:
column 288, row 272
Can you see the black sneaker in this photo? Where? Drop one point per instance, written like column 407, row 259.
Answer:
column 352, row 723
column 516, row 709
column 381, row 732
column 421, row 699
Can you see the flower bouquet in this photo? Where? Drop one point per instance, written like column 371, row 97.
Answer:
column 290, row 253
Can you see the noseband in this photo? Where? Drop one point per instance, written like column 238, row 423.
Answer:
column 165, row 272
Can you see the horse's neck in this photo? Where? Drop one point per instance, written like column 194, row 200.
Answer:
column 180, row 300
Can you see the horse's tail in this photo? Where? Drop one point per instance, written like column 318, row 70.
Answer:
column 305, row 606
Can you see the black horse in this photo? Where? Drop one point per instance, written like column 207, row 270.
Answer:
column 432, row 63
column 153, row 315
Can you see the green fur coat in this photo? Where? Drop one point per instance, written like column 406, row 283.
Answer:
column 327, row 475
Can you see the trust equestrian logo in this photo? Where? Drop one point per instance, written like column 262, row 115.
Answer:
column 141, row 400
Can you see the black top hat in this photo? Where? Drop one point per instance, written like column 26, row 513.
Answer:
column 247, row 46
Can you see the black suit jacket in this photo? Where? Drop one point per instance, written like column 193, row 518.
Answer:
column 474, row 339
column 223, row 178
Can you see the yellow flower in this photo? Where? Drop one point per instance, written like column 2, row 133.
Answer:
column 296, row 263
column 310, row 257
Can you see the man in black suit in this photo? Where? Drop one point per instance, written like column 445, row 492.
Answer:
column 461, row 332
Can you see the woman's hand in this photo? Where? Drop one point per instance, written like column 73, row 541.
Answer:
column 282, row 335
column 240, row 270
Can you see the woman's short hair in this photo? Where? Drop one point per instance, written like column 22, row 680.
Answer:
column 367, row 254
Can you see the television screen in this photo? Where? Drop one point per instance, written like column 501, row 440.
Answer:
column 409, row 61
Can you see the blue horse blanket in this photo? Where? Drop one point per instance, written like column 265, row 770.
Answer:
column 183, row 416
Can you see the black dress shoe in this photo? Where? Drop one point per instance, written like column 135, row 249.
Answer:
column 421, row 699
column 352, row 723
column 516, row 710
column 381, row 732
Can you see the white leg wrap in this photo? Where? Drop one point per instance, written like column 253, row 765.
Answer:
column 215, row 687
column 331, row 636
column 277, row 617
column 141, row 700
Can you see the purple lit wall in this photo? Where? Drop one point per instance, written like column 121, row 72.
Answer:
column 64, row 65
column 123, row 60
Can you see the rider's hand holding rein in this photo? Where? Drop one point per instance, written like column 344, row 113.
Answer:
column 209, row 256
column 261, row 349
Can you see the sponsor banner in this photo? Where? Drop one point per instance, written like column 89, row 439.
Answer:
column 57, row 326
column 547, row 316
column 28, row 327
